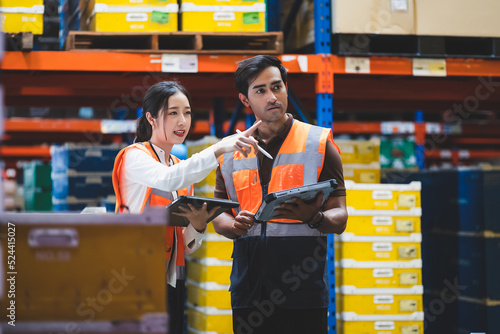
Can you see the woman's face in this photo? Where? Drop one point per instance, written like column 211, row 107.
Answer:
column 174, row 123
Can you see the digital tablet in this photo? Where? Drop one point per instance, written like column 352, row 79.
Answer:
column 175, row 220
column 307, row 193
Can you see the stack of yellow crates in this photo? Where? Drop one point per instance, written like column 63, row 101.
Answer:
column 209, row 268
column 360, row 159
column 223, row 15
column 129, row 15
column 378, row 261
column 22, row 16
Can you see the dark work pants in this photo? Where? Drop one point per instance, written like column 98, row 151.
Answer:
column 266, row 318
column 289, row 321
column 175, row 307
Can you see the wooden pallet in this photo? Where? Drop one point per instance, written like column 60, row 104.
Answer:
column 177, row 42
column 22, row 41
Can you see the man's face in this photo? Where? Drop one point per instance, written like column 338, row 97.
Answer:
column 267, row 96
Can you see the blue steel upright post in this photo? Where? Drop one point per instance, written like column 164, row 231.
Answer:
column 324, row 117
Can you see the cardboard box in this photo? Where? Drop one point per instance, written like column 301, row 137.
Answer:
column 458, row 18
column 389, row 17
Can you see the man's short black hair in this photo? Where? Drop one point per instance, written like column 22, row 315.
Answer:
column 249, row 68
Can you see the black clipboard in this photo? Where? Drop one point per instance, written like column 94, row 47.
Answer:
column 307, row 193
column 175, row 220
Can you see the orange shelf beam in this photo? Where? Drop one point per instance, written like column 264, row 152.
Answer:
column 404, row 66
column 130, row 62
column 42, row 151
column 51, row 125
column 462, row 154
column 356, row 127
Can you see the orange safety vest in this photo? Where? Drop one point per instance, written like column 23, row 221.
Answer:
column 154, row 197
column 299, row 162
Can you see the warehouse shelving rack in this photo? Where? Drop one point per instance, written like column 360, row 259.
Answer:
column 63, row 78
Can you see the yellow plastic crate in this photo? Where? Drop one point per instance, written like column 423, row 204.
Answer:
column 378, row 248
column 383, row 196
column 209, row 319
column 22, row 19
column 223, row 2
column 63, row 265
column 194, row 331
column 381, row 222
column 209, row 270
column 359, row 151
column 122, row 3
column 380, row 301
column 380, row 327
column 133, row 19
column 209, row 294
column 21, row 3
column 196, row 146
column 391, row 276
column 223, row 18
column 362, row 173
column 214, row 246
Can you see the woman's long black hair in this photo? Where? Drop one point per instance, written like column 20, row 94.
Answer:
column 155, row 102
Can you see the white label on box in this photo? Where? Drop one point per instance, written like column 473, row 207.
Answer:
column 383, row 299
column 357, row 65
column 386, row 272
column 382, row 194
column 179, row 63
column 382, row 220
column 93, row 153
column 399, row 5
column 93, row 180
column 382, row 246
column 429, row 67
column 224, row 16
column 384, row 326
column 137, row 17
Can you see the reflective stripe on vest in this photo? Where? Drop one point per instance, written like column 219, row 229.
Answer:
column 297, row 163
column 154, row 197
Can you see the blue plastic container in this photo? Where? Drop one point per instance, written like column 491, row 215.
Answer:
column 479, row 267
column 82, row 185
column 83, row 158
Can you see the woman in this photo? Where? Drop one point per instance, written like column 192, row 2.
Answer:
column 146, row 174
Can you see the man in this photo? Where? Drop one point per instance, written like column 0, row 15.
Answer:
column 279, row 280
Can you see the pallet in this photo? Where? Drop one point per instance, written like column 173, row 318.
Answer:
column 415, row 46
column 22, row 41
column 177, row 42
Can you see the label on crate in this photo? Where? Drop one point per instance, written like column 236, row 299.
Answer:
column 384, row 326
column 382, row 194
column 382, row 220
column 224, row 16
column 385, row 272
column 160, row 17
column 383, row 299
column 382, row 246
column 136, row 17
column 251, row 18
